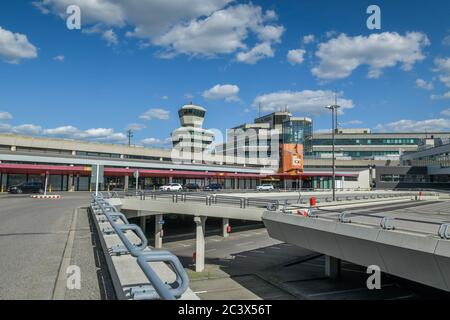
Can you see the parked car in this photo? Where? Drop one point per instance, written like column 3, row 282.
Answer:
column 171, row 187
column 265, row 187
column 191, row 186
column 27, row 187
column 213, row 187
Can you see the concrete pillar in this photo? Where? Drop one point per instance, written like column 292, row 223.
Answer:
column 158, row 231
column 70, row 183
column 126, row 182
column 200, row 243
column 332, row 267
column 225, row 225
column 343, row 183
column 236, row 183
column 4, row 177
column 170, row 179
column 143, row 224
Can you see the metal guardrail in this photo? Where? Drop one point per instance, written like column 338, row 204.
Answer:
column 158, row 290
column 207, row 199
column 386, row 222
column 246, row 202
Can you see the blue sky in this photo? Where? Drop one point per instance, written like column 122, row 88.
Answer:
column 137, row 62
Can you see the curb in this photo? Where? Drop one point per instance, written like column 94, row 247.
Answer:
column 46, row 197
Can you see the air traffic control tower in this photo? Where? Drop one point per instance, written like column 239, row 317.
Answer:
column 191, row 138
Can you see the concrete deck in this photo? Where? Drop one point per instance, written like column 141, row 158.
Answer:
column 412, row 251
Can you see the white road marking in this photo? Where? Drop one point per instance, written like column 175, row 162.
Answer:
column 245, row 243
column 184, row 245
column 200, row 292
column 345, row 291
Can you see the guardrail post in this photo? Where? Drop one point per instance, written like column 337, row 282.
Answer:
column 200, row 223
column 159, row 220
column 387, row 223
column 225, row 227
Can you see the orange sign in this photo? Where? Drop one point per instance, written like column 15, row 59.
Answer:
column 291, row 158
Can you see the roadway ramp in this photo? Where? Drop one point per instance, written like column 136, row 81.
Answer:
column 420, row 256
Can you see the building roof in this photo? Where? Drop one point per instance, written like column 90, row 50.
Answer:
column 192, row 106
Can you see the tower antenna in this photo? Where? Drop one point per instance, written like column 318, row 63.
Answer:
column 130, row 135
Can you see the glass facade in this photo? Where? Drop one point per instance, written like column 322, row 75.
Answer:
column 442, row 160
column 191, row 112
column 366, row 142
column 298, row 131
column 358, row 154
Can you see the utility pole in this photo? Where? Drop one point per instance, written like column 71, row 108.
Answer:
column 334, row 109
column 130, row 135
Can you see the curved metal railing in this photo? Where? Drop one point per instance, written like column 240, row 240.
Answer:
column 166, row 291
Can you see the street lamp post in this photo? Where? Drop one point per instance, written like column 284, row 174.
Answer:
column 334, row 108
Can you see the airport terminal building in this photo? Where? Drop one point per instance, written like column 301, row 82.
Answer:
column 68, row 164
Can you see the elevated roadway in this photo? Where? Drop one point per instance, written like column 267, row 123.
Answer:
column 229, row 206
column 411, row 241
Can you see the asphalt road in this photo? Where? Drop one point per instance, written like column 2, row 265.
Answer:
column 33, row 236
column 251, row 265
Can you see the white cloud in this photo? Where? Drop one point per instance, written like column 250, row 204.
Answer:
column 351, row 123
column 446, row 112
column 5, row 115
column 296, row 56
column 27, row 129
column 307, row 101
column 430, row 125
column 155, row 113
column 107, row 34
column 319, row 131
column 15, row 46
column 135, row 127
column 59, row 58
column 270, row 33
column 62, row 131
column 227, row 92
column 151, row 141
column 156, row 141
column 260, row 51
column 446, row 41
column 192, row 27
column 331, row 34
column 110, row 37
column 440, row 96
column 108, row 12
column 309, row 39
column 340, row 56
column 223, row 32
column 443, row 68
column 68, row 132
column 420, row 83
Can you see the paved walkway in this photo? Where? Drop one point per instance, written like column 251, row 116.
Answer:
column 34, row 236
